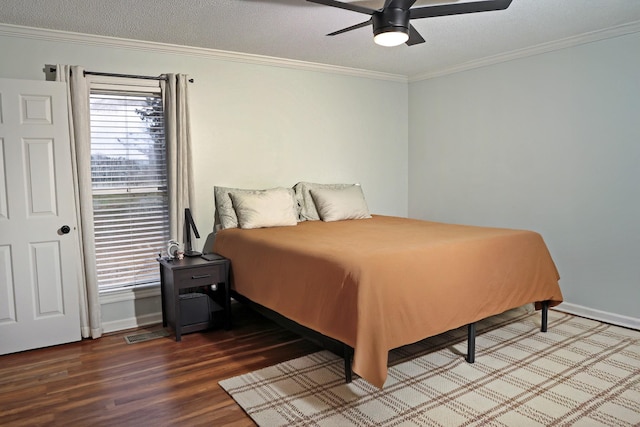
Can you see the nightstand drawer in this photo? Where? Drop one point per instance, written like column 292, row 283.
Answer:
column 202, row 276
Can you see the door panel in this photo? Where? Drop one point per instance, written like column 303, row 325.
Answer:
column 35, row 109
column 38, row 263
column 3, row 181
column 7, row 302
column 46, row 279
column 41, row 184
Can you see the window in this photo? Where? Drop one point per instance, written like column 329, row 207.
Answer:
column 129, row 183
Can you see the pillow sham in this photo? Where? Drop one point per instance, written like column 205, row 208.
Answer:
column 225, row 212
column 338, row 204
column 274, row 208
column 306, row 205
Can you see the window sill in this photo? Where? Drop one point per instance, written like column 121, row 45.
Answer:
column 128, row 294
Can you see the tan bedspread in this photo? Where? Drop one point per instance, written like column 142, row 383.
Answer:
column 380, row 283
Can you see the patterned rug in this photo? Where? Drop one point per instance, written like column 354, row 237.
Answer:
column 581, row 372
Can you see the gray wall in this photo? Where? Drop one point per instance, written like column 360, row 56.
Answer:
column 549, row 143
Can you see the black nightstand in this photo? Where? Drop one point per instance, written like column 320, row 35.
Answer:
column 193, row 272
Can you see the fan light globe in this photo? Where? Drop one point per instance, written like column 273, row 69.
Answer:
column 391, row 38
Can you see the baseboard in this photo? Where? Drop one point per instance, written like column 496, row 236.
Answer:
column 602, row 316
column 132, row 322
column 565, row 307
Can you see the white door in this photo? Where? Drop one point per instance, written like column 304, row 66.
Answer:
column 38, row 260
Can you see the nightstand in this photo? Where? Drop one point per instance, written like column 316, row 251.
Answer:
column 178, row 276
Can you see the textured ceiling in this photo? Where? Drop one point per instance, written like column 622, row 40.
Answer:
column 295, row 29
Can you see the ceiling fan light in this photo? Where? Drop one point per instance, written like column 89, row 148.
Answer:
column 393, row 37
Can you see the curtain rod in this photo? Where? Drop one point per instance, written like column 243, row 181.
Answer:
column 129, row 76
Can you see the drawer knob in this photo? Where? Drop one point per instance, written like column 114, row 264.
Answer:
column 204, row 276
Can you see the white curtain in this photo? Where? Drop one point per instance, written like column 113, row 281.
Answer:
column 80, row 135
column 179, row 180
column 178, row 140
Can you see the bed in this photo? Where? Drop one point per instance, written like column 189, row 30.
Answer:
column 379, row 282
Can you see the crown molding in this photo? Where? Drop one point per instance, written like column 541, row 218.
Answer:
column 155, row 47
column 594, row 36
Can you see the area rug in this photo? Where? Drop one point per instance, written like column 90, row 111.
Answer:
column 581, row 372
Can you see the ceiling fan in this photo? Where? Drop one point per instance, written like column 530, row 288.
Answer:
column 391, row 26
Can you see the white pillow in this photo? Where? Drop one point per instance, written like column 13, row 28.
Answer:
column 225, row 214
column 306, row 206
column 271, row 208
column 339, row 204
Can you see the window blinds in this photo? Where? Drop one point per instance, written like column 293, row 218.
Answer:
column 129, row 181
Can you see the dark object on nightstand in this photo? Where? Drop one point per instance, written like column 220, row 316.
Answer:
column 211, row 257
column 188, row 302
column 189, row 225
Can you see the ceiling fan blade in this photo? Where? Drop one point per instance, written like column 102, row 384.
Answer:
column 347, row 6
column 353, row 27
column 399, row 4
column 458, row 8
column 414, row 36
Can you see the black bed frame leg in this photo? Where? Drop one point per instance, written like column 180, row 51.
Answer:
column 471, row 342
column 545, row 316
column 348, row 357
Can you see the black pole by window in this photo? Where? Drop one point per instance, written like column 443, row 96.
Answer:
column 129, row 76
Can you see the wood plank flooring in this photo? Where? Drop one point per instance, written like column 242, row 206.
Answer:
column 107, row 382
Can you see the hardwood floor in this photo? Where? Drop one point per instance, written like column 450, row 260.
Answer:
column 107, row 382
